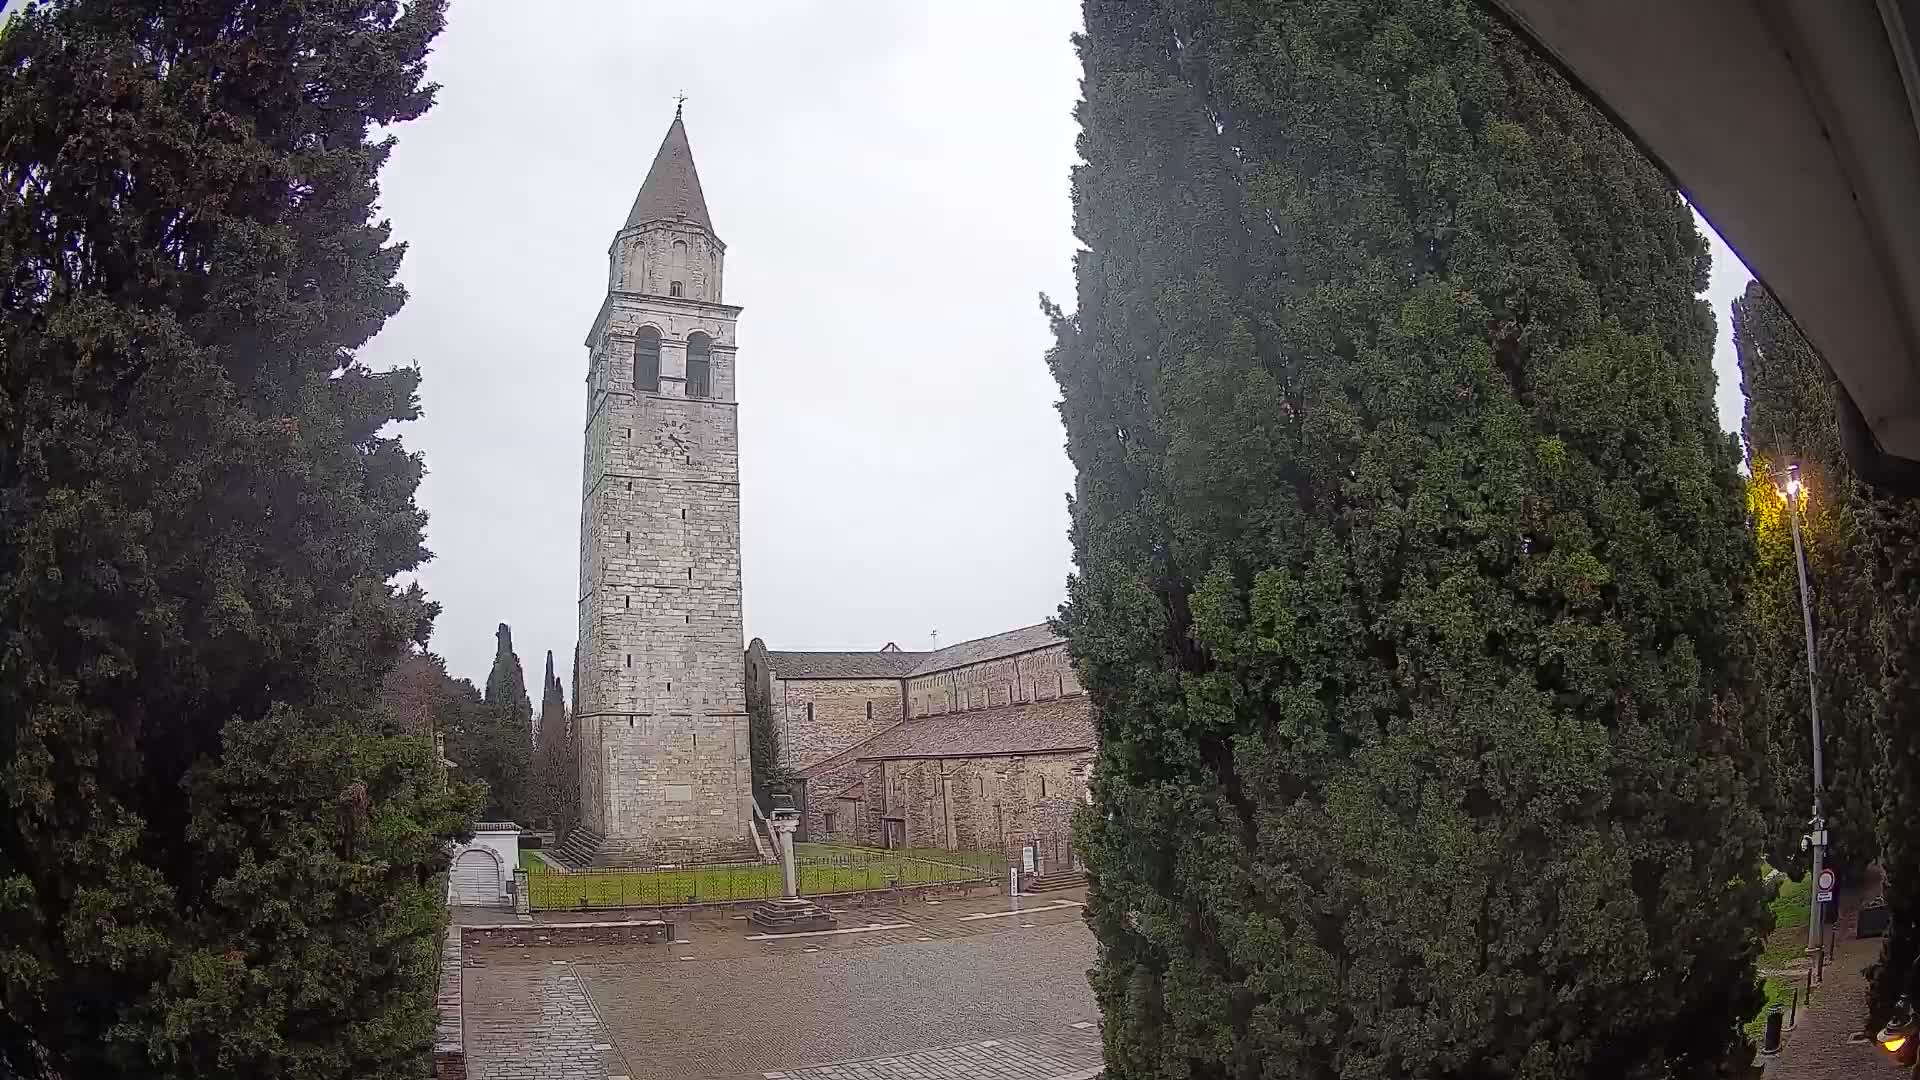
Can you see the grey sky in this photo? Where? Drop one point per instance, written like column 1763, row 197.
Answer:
column 891, row 181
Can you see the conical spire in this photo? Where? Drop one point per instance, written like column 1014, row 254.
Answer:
column 672, row 189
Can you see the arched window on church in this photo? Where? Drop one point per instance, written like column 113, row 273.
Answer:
column 699, row 365
column 677, row 269
column 646, row 360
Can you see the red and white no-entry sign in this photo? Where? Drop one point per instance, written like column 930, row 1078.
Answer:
column 1823, row 888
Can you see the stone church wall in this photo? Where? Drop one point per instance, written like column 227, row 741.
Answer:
column 818, row 718
column 962, row 804
column 1030, row 676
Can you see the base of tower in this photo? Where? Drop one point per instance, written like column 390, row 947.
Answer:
column 586, row 849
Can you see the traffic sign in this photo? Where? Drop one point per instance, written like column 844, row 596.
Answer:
column 1826, row 880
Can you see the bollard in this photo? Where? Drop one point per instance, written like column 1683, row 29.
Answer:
column 1793, row 1008
column 1770, row 1041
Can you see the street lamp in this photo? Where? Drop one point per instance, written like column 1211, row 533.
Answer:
column 1817, row 837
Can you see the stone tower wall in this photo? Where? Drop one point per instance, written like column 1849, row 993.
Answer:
column 661, row 703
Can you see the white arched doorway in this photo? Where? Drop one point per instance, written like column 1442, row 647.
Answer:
column 477, row 879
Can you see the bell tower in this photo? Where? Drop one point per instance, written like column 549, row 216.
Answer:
column 661, row 716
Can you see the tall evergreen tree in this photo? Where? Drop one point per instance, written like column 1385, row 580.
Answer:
column 1790, row 418
column 507, row 684
column 494, row 743
column 1890, row 528
column 1409, row 554
column 555, row 773
column 217, row 858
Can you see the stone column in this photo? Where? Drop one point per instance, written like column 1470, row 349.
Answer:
column 783, row 826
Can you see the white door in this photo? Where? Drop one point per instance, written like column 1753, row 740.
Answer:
column 475, row 880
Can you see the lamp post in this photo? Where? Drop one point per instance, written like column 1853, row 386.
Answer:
column 1817, row 838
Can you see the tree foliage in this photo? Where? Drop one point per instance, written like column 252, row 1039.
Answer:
column 217, row 857
column 1863, row 555
column 1890, row 530
column 1409, row 556
column 1790, row 418
column 555, row 772
column 490, row 738
column 769, row 773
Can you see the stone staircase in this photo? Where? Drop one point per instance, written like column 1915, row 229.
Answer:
column 578, row 850
column 1054, row 881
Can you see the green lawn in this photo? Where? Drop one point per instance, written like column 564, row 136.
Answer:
column 985, row 862
column 1786, row 947
column 1778, row 991
column 1791, row 907
column 822, row 870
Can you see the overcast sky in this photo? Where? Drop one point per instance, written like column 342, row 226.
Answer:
column 891, row 181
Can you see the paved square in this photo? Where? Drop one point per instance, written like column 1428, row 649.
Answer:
column 941, row 999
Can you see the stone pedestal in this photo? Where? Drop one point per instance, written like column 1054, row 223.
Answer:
column 792, row 913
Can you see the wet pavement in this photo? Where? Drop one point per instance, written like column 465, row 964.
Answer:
column 962, row 988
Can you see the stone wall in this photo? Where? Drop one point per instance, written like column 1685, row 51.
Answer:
column 643, row 260
column 661, row 711
column 818, row 718
column 450, row 1036
column 528, row 935
column 1030, row 676
column 963, row 804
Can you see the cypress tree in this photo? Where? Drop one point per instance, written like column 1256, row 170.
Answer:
column 1790, row 418
column 218, row 858
column 1890, row 528
column 493, row 742
column 556, row 776
column 507, row 684
column 1408, row 557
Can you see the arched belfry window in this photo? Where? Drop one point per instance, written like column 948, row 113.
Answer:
column 699, row 365
column 677, row 272
column 646, row 360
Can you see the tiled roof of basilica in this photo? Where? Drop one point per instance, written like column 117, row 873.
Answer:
column 894, row 664
column 980, row 650
column 843, row 665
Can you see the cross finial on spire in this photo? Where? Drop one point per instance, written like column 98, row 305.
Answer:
column 679, row 100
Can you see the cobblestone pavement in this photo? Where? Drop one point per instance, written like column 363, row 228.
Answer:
column 532, row 1020
column 1074, row 1056
column 719, row 1005
column 1818, row 1047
